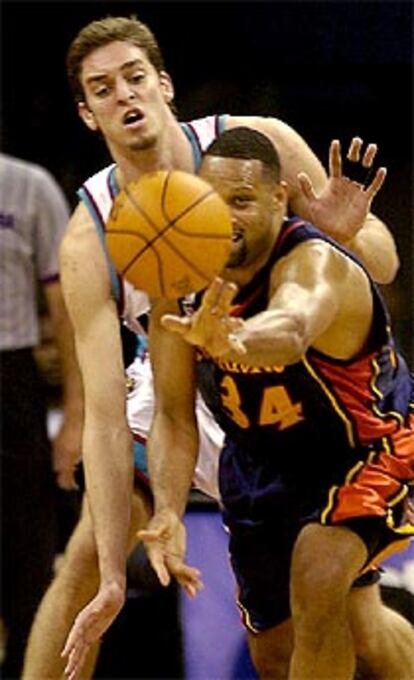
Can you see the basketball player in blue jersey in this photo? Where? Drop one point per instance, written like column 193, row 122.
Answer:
column 293, row 354
column 123, row 92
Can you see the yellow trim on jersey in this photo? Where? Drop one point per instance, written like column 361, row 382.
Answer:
column 352, row 472
column 399, row 496
column 332, row 399
column 378, row 393
column 396, row 546
column 389, row 414
column 246, row 618
column 329, row 506
column 386, row 445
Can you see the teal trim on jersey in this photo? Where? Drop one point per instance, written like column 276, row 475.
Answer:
column 192, row 138
column 141, row 347
column 140, row 457
column 115, row 287
column 113, row 182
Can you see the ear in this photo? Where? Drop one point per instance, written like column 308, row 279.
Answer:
column 87, row 116
column 167, row 86
column 280, row 196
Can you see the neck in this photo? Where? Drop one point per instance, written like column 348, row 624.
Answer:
column 171, row 151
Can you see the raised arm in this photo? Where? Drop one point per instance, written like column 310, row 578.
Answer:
column 319, row 199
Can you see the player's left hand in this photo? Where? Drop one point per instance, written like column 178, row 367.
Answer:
column 343, row 206
column 89, row 626
column 66, row 455
column 165, row 543
column 211, row 327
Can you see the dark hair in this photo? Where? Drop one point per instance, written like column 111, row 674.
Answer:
column 102, row 32
column 248, row 143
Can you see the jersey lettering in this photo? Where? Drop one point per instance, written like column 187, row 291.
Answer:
column 276, row 407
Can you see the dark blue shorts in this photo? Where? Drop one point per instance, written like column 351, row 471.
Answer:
column 265, row 512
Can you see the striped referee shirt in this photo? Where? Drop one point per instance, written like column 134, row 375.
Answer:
column 34, row 213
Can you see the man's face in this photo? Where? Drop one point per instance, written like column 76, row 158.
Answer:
column 125, row 97
column 257, row 206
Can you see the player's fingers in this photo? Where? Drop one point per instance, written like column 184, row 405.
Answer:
column 71, row 641
column 369, row 155
column 157, row 559
column 335, row 159
column 224, row 298
column 306, row 186
column 75, row 656
column 65, row 479
column 73, row 670
column 354, row 150
column 377, row 182
column 176, row 324
column 188, row 577
column 212, row 293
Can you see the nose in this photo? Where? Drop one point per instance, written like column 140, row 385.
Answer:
column 124, row 91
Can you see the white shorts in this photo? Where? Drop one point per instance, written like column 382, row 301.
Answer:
column 140, row 407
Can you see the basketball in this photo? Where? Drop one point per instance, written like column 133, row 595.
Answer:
column 169, row 233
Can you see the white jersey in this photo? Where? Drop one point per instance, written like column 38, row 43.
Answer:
column 98, row 193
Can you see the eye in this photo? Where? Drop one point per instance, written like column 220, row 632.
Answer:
column 101, row 91
column 241, row 201
column 137, row 78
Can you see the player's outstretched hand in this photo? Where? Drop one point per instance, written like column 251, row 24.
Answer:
column 342, row 207
column 165, row 543
column 211, row 327
column 89, row 626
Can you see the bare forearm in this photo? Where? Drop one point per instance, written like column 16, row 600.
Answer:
column 108, row 463
column 271, row 338
column 172, row 455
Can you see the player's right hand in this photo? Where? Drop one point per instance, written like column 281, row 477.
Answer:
column 211, row 327
column 165, row 543
column 89, row 626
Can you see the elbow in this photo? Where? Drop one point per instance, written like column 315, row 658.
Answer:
column 387, row 273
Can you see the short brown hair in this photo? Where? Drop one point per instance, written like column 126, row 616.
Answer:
column 102, row 32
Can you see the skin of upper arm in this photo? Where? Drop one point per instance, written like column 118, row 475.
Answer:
column 86, row 287
column 307, row 284
column 329, row 294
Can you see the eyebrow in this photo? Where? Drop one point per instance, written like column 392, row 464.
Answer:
column 124, row 67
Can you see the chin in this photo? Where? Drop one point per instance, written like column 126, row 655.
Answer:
column 237, row 257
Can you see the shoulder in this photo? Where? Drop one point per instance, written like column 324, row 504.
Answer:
column 81, row 240
column 84, row 269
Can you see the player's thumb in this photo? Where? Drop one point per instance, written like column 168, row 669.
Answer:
column 176, row 324
column 306, row 186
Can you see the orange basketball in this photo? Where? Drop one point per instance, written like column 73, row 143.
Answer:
column 169, row 233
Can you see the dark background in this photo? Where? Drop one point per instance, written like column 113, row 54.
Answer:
column 329, row 69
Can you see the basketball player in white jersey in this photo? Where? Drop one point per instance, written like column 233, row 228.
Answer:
column 123, row 92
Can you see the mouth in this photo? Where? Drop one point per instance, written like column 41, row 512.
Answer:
column 237, row 235
column 133, row 117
